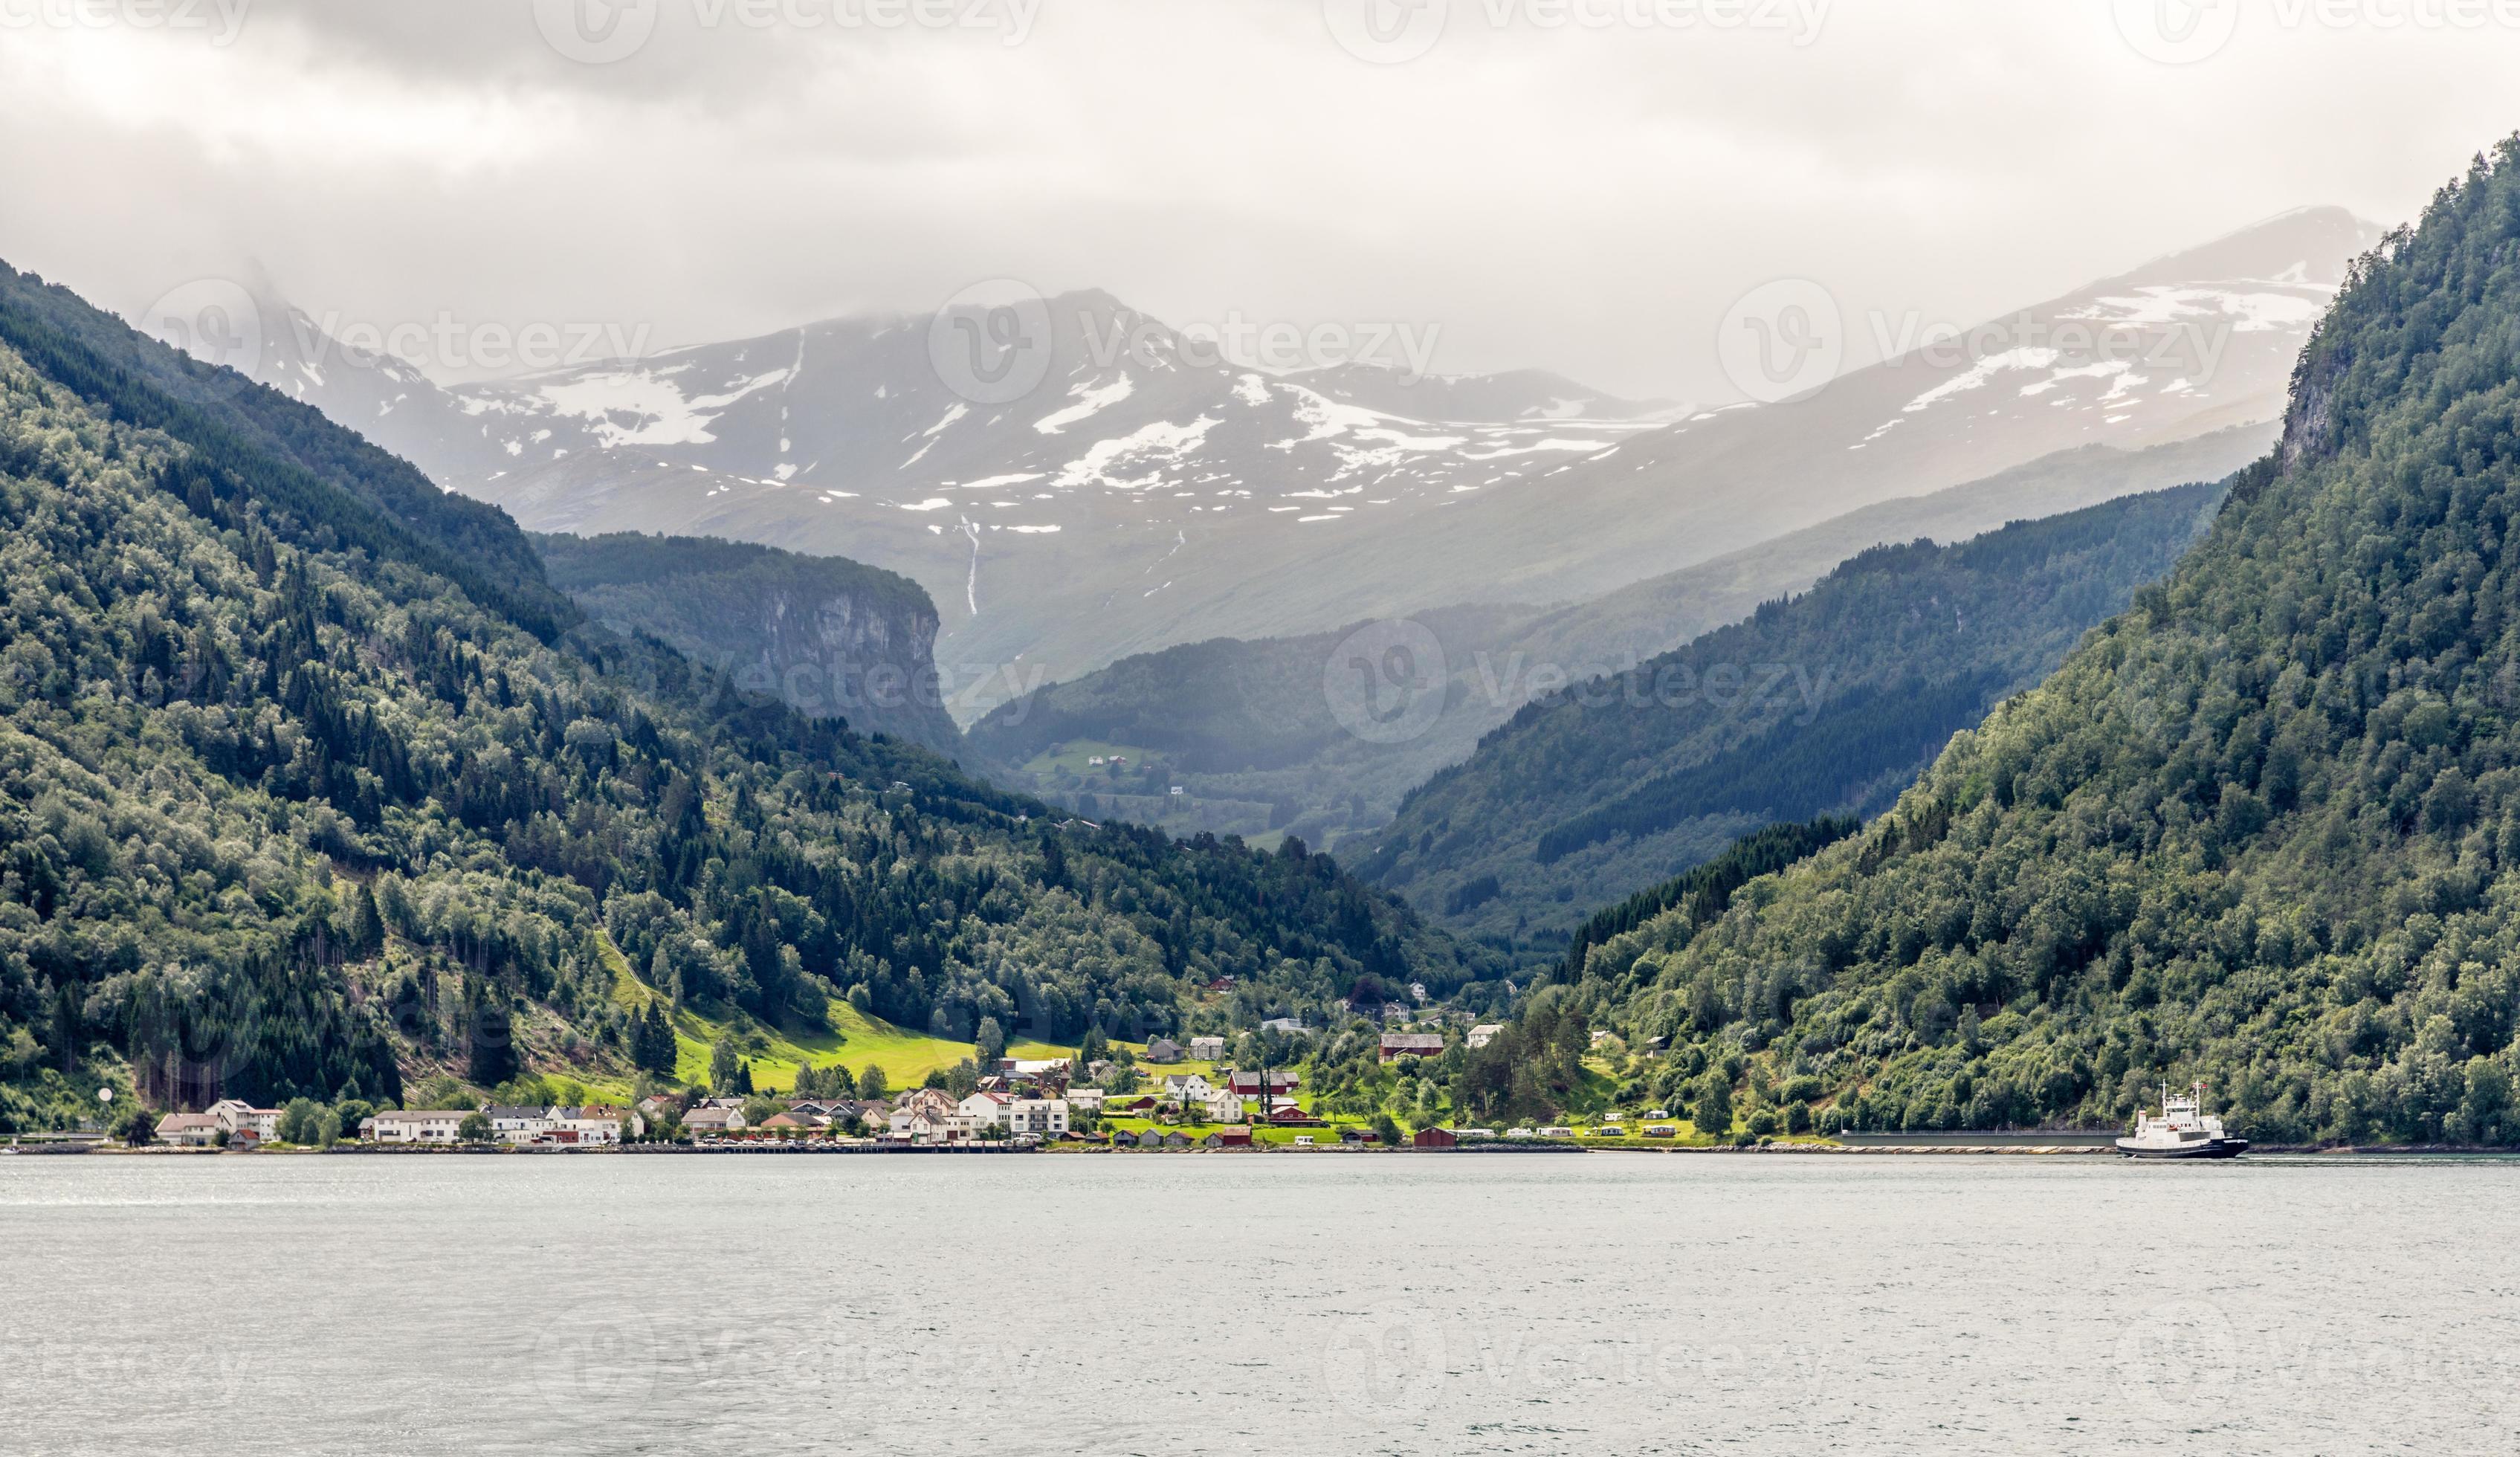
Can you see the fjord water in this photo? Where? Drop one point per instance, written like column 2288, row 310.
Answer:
column 1190, row 1304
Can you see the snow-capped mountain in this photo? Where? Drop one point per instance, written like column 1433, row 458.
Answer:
column 1114, row 488
column 1126, row 418
column 2178, row 348
column 1042, row 524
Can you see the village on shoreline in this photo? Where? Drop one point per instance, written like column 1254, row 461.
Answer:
column 1018, row 1103
column 1165, row 1096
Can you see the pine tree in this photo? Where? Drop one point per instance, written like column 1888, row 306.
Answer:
column 367, row 929
column 492, row 1057
column 1713, row 1115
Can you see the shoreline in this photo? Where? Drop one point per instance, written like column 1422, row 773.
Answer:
column 767, row 1149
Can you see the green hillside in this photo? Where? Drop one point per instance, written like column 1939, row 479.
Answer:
column 2257, row 830
column 311, row 783
column 1826, row 702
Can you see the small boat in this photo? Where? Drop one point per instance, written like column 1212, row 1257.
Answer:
column 2184, row 1130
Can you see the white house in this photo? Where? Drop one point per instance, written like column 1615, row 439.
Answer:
column 418, row 1125
column 986, row 1110
column 194, row 1129
column 244, row 1117
column 930, row 1125
column 1224, row 1106
column 1486, row 1032
column 1185, row 1085
column 928, row 1115
column 1206, row 1049
column 712, row 1120
column 1089, row 1099
column 519, row 1124
column 1046, row 1116
column 595, row 1124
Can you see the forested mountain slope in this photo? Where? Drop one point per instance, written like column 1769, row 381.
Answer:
column 2257, row 830
column 286, row 808
column 831, row 637
column 1824, row 702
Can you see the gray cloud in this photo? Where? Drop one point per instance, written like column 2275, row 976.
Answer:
column 1579, row 197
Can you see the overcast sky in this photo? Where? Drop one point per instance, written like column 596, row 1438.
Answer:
column 1586, row 196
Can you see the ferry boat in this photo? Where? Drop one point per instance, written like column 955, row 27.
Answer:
column 2184, row 1130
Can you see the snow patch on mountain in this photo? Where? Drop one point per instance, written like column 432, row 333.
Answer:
column 641, row 407
column 2252, row 312
column 1157, row 444
column 1089, row 401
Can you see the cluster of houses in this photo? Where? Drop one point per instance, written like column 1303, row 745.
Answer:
column 1222, row 1100
column 239, row 1124
column 1018, row 1100
column 593, row 1125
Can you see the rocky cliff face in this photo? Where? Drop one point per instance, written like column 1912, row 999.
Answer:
column 834, row 637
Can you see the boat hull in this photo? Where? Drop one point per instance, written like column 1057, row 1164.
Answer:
column 2212, row 1147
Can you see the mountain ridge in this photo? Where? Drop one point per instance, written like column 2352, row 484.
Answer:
column 1130, row 501
column 2257, row 830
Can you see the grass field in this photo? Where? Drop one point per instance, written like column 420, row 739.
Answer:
column 1076, row 755
column 854, row 1038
